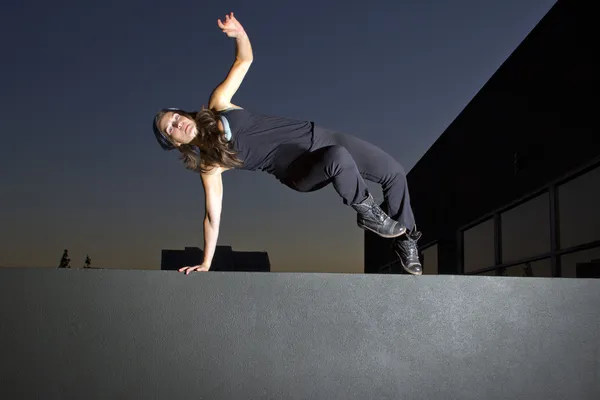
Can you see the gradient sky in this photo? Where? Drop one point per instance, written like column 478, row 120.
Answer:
column 81, row 81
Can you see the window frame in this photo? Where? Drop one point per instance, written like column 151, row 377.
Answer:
column 555, row 253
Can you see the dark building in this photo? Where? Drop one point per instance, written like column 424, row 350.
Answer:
column 225, row 259
column 512, row 186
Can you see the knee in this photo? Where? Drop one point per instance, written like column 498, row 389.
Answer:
column 399, row 170
column 339, row 155
column 395, row 174
column 337, row 159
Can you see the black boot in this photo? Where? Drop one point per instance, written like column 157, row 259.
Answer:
column 408, row 252
column 372, row 217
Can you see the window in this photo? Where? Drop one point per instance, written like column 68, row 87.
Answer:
column 579, row 214
column 478, row 245
column 541, row 268
column 526, row 229
column 430, row 260
column 581, row 264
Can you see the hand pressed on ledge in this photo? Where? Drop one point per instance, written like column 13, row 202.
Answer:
column 195, row 268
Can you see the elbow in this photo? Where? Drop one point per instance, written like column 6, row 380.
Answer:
column 245, row 62
column 212, row 219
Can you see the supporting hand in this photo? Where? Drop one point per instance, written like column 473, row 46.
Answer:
column 231, row 27
column 199, row 268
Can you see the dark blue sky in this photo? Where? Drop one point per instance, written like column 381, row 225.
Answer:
column 81, row 81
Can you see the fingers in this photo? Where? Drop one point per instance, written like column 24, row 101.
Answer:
column 230, row 26
column 197, row 268
column 229, row 18
column 221, row 25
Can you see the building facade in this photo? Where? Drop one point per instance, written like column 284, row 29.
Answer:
column 512, row 186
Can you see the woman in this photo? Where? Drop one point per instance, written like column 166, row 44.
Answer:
column 302, row 155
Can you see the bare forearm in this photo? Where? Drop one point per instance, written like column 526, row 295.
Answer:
column 243, row 49
column 211, row 233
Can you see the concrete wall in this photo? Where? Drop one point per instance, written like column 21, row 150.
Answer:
column 116, row 334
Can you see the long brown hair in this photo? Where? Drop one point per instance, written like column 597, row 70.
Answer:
column 213, row 150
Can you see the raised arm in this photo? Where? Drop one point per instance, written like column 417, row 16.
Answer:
column 223, row 93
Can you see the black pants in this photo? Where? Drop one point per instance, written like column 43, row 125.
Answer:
column 346, row 161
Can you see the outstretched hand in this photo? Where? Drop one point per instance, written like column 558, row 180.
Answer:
column 231, row 27
column 195, row 268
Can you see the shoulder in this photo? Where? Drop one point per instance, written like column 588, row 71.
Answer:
column 220, row 106
column 213, row 172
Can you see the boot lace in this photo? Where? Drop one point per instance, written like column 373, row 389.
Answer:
column 409, row 247
column 378, row 214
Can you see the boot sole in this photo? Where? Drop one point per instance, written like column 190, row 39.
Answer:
column 407, row 270
column 382, row 234
column 412, row 273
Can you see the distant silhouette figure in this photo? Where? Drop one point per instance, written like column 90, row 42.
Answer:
column 65, row 260
column 88, row 262
column 303, row 156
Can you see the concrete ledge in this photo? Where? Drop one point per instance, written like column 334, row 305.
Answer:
column 120, row 334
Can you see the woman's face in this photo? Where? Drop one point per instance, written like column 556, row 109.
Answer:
column 179, row 128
